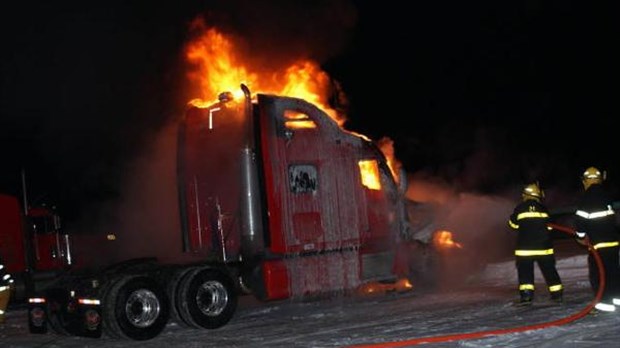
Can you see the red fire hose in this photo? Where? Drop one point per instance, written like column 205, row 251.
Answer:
column 488, row 333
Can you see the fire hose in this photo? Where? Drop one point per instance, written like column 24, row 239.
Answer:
column 489, row 333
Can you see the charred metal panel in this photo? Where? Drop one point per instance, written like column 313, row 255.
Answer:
column 386, row 214
column 312, row 172
column 380, row 216
column 377, row 266
column 303, row 179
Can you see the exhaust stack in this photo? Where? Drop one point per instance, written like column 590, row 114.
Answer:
column 251, row 222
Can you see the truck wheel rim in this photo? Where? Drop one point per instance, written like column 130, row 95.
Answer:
column 212, row 298
column 142, row 308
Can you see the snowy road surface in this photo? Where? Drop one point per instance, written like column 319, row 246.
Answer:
column 447, row 317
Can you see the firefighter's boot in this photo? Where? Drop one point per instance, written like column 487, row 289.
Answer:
column 527, row 296
column 556, row 296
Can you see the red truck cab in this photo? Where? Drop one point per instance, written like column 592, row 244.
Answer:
column 32, row 245
column 276, row 180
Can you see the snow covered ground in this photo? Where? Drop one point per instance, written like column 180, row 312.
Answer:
column 476, row 314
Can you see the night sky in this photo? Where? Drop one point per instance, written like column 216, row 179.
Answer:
column 483, row 95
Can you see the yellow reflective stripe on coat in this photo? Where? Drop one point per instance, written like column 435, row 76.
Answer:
column 532, row 214
column 512, row 224
column 596, row 214
column 605, row 245
column 534, row 252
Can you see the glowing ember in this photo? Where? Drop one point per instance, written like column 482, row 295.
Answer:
column 443, row 240
column 219, row 67
column 374, row 288
column 403, row 284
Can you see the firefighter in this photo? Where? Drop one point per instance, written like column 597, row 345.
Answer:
column 5, row 290
column 534, row 245
column 596, row 228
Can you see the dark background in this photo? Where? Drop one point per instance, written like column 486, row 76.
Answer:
column 484, row 95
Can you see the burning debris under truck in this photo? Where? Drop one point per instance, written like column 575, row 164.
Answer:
column 277, row 200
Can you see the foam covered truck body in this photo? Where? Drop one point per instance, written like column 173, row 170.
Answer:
column 278, row 201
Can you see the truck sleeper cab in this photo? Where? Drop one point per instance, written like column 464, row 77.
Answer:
column 308, row 206
column 276, row 199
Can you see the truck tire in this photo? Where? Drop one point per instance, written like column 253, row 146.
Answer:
column 206, row 298
column 105, row 291
column 135, row 307
column 172, row 288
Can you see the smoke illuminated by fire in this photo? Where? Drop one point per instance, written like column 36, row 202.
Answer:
column 219, row 67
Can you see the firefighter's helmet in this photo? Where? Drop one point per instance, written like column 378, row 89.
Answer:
column 532, row 191
column 592, row 176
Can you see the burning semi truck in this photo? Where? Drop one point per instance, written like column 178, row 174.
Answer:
column 278, row 201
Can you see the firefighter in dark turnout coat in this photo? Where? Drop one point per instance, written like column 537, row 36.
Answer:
column 534, row 245
column 596, row 224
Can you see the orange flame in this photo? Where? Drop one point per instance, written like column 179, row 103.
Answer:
column 443, row 240
column 387, row 148
column 369, row 171
column 219, row 67
column 376, row 288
